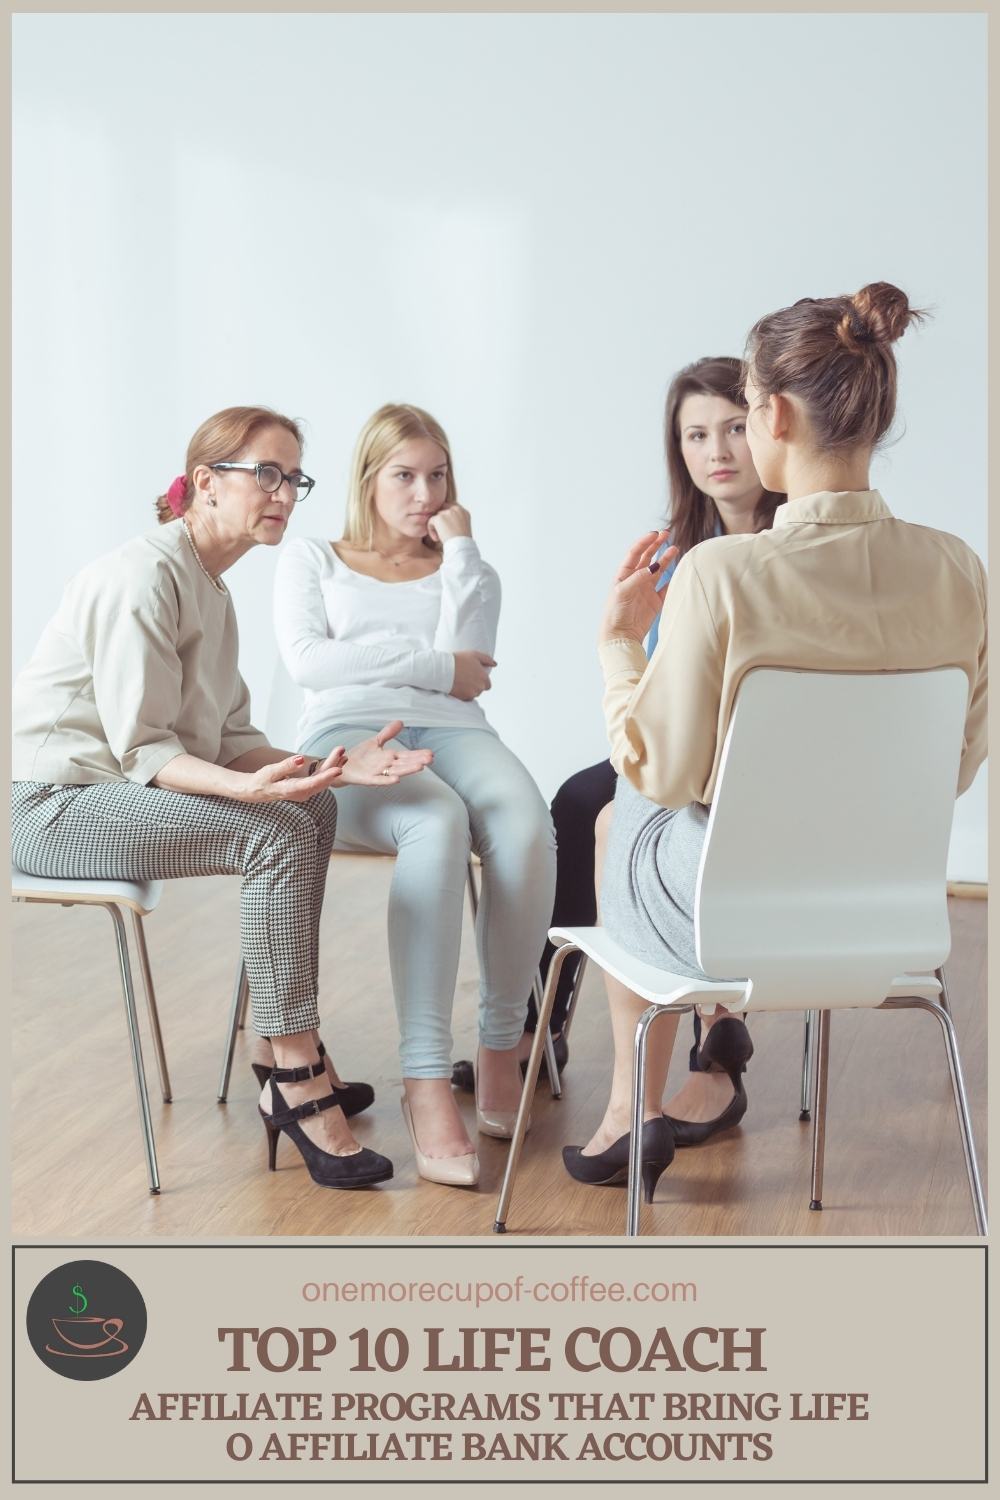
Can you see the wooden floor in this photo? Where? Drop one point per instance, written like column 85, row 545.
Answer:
column 894, row 1159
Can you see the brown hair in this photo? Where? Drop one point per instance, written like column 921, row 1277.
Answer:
column 693, row 515
column 220, row 439
column 835, row 355
column 381, row 435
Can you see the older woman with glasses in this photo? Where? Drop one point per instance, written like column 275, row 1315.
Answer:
column 135, row 759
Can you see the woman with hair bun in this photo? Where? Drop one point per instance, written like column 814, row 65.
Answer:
column 837, row 584
column 135, row 759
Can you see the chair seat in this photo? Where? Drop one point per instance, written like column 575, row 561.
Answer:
column 141, row 895
column 662, row 987
column 658, row 985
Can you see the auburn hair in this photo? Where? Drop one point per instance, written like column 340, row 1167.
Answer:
column 221, row 439
column 835, row 355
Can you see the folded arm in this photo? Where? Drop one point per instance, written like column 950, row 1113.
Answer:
column 470, row 599
column 315, row 660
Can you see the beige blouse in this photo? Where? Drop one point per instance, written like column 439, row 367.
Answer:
column 838, row 584
column 138, row 664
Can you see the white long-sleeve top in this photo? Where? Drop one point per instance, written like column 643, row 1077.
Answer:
column 366, row 652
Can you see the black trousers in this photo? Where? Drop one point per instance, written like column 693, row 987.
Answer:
column 574, row 812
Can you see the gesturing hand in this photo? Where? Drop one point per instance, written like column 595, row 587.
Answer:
column 634, row 602
column 294, row 779
column 370, row 763
column 449, row 521
column 472, row 675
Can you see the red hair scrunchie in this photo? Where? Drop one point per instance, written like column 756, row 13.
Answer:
column 176, row 493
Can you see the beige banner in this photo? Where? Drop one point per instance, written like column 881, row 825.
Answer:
column 412, row 1362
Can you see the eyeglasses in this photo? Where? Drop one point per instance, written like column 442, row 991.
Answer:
column 271, row 478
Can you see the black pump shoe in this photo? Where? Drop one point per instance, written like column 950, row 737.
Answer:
column 463, row 1074
column 352, row 1098
column 612, row 1165
column 361, row 1169
column 729, row 1053
column 727, row 1047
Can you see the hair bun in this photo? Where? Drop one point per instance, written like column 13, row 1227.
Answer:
column 879, row 314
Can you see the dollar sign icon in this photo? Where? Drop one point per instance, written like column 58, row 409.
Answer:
column 81, row 1298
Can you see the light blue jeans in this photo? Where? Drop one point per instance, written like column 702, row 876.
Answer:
column 477, row 795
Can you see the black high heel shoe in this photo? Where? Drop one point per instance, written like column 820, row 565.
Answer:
column 727, row 1053
column 360, row 1169
column 352, row 1098
column 612, row 1165
column 463, row 1074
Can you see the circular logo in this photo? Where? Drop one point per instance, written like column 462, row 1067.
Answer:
column 86, row 1320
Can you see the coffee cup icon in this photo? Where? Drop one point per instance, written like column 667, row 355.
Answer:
column 90, row 1337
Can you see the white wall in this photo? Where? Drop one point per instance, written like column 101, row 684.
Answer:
column 524, row 223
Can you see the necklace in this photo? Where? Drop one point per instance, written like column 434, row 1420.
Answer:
column 402, row 560
column 215, row 582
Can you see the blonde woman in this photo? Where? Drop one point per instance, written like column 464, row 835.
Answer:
column 135, row 759
column 401, row 612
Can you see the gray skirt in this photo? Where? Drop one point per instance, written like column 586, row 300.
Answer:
column 650, row 875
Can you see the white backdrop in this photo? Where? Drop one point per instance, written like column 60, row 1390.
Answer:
column 523, row 223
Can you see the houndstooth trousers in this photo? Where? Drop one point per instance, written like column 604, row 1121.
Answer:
column 119, row 830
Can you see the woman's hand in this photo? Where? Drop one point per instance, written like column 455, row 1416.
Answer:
column 634, row 601
column 294, row 779
column 449, row 521
column 371, row 764
column 472, row 675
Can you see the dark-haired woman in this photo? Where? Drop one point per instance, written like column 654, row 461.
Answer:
column 837, row 584
column 714, row 491
column 135, row 758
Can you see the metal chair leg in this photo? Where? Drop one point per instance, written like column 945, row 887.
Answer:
column 807, row 1059
column 138, row 1070
column 237, row 1008
column 916, row 1002
column 945, row 999
column 819, row 1109
column 574, row 993
column 244, row 1003
column 530, row 1080
column 555, row 1082
column 642, row 1029
column 151, row 1007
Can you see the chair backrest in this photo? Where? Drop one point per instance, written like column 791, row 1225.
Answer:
column 284, row 706
column 827, row 841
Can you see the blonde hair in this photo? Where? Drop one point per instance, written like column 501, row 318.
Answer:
column 219, row 440
column 381, row 435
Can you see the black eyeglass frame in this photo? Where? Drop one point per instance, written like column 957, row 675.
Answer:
column 291, row 480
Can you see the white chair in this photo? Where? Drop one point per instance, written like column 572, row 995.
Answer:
column 283, row 710
column 822, row 877
column 140, row 898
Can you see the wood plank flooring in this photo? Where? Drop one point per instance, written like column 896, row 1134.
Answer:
column 894, row 1160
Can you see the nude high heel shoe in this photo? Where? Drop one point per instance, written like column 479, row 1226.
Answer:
column 496, row 1122
column 453, row 1171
